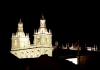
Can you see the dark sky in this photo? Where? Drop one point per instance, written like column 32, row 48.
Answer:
column 69, row 21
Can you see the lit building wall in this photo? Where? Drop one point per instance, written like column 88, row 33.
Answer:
column 42, row 43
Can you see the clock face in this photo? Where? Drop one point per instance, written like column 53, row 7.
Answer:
column 42, row 22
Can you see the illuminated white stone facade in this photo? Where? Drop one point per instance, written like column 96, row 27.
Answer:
column 42, row 44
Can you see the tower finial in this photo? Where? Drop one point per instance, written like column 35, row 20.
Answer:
column 42, row 16
column 20, row 20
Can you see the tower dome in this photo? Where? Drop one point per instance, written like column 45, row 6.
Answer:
column 20, row 32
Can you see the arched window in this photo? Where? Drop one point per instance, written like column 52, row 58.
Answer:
column 15, row 42
column 31, row 56
column 45, row 50
column 26, row 55
column 26, row 51
column 38, row 50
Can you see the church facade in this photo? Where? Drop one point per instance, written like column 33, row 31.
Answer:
column 42, row 44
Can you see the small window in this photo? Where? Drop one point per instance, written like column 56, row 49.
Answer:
column 15, row 53
column 46, row 51
column 38, row 50
column 26, row 52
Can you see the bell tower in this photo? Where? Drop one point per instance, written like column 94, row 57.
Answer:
column 42, row 44
column 19, row 39
column 43, row 38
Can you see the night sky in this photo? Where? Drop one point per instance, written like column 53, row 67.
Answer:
column 69, row 21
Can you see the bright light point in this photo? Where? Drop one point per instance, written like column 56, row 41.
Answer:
column 90, row 49
column 73, row 60
column 42, row 21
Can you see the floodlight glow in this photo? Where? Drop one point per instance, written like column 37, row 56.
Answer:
column 89, row 48
column 73, row 60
